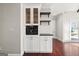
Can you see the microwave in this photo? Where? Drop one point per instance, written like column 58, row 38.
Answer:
column 32, row 30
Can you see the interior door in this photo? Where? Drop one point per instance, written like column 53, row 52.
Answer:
column 74, row 31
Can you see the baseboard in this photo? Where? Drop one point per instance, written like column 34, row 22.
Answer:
column 14, row 54
column 59, row 39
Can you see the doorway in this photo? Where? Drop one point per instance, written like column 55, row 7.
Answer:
column 74, row 31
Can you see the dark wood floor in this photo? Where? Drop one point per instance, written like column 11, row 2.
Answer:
column 57, row 50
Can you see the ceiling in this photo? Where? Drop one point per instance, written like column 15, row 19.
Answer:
column 56, row 8
column 60, row 7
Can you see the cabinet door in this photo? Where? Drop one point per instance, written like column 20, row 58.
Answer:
column 28, row 14
column 46, row 44
column 49, row 45
column 35, row 15
column 28, row 45
column 43, row 43
column 36, row 44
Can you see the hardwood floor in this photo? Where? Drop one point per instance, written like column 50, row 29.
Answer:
column 71, row 48
column 57, row 50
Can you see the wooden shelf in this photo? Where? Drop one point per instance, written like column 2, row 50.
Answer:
column 45, row 13
column 48, row 21
column 45, row 20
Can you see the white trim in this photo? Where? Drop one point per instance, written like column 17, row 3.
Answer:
column 14, row 55
column 21, row 28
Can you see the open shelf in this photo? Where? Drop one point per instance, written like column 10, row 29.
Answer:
column 44, row 21
column 45, row 13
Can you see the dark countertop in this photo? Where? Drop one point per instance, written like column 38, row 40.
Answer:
column 46, row 34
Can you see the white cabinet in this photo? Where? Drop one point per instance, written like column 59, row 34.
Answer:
column 36, row 44
column 31, row 18
column 45, row 44
column 49, row 45
column 28, row 44
column 31, row 15
column 31, row 44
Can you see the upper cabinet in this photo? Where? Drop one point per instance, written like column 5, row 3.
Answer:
column 32, row 16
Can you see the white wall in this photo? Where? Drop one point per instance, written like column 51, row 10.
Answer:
column 63, row 23
column 59, row 25
column 11, row 28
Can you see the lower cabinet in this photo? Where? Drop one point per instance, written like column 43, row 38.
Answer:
column 31, row 44
column 45, row 44
column 28, row 44
column 35, row 44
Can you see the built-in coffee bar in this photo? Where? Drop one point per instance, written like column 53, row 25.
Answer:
column 38, row 31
